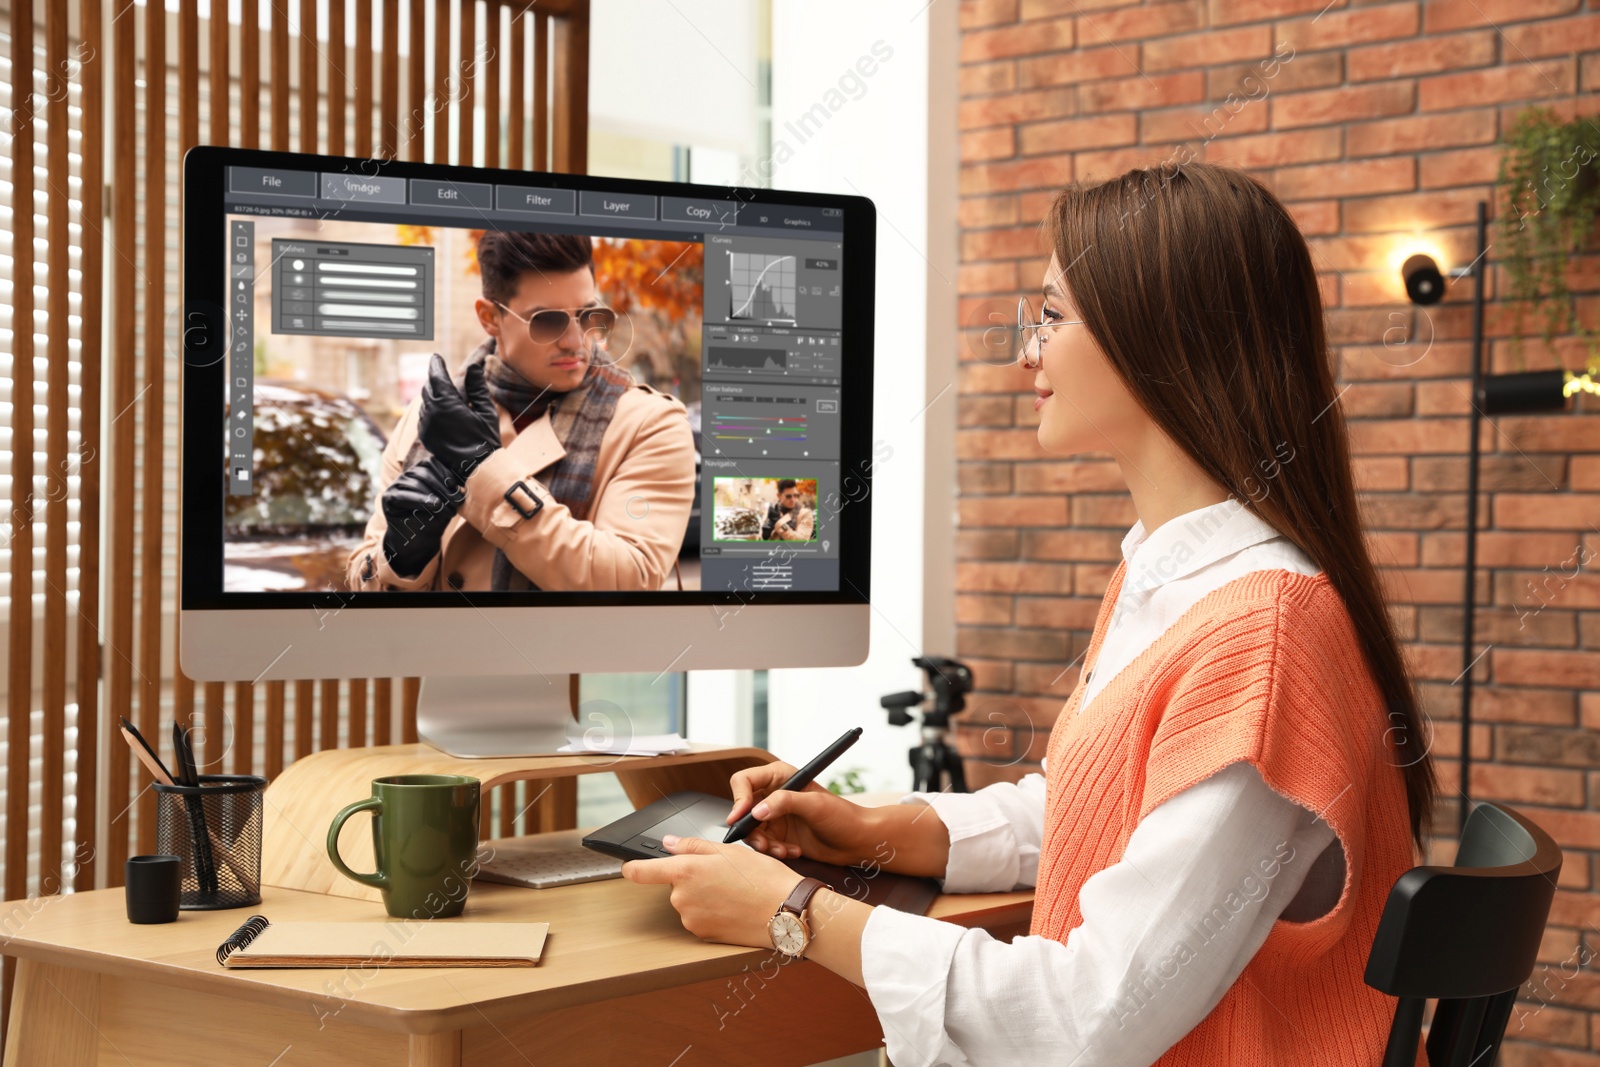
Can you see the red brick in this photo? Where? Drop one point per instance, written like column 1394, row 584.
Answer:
column 1228, row 12
column 1203, row 122
column 1392, row 548
column 1014, row 577
column 1255, row 81
column 1501, row 549
column 1408, row 436
column 1139, row 21
column 1063, row 613
column 1411, row 212
column 1585, row 472
column 1421, row 132
column 1341, row 105
column 1039, row 9
column 987, row 12
column 1525, row 785
column 1360, row 178
column 1014, row 511
column 1032, row 173
column 1100, row 165
column 1094, row 509
column 1468, row 166
column 1376, row 400
column 1497, row 85
column 986, row 278
column 983, row 609
column 997, row 444
column 978, row 212
column 995, row 142
column 1427, row 56
column 1138, row 93
column 1077, row 546
column 1006, row 243
column 1314, row 218
column 1042, row 35
column 1355, row 252
column 1548, row 511
column 986, row 544
column 1524, row 666
column 1441, row 15
column 1374, row 473
column 1336, row 29
column 1438, row 360
column 1070, row 68
column 1016, row 107
column 1278, row 149
column 987, row 78
column 1424, row 585
column 1069, row 477
column 1099, row 131
column 1208, row 49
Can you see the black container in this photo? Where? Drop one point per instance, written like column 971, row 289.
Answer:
column 152, row 885
column 215, row 831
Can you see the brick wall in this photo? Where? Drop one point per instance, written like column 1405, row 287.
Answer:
column 1372, row 121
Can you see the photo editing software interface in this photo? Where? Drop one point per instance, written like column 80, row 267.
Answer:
column 342, row 287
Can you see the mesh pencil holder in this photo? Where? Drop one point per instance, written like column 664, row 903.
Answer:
column 215, row 831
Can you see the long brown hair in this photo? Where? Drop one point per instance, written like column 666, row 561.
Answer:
column 1196, row 284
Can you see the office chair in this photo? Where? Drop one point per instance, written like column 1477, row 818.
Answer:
column 1467, row 935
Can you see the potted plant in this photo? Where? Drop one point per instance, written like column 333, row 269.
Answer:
column 1550, row 171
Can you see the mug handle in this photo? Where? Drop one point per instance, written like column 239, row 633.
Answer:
column 378, row 880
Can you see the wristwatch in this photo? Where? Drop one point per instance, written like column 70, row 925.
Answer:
column 790, row 934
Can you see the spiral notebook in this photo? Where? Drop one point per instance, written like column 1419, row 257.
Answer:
column 260, row 943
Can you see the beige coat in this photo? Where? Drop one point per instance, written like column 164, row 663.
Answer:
column 638, row 509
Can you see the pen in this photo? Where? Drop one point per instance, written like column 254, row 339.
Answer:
column 799, row 780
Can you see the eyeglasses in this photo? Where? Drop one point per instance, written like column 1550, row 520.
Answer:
column 1026, row 322
column 601, row 327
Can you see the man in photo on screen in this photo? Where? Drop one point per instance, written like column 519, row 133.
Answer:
column 540, row 463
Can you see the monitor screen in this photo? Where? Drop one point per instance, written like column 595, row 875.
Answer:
column 437, row 383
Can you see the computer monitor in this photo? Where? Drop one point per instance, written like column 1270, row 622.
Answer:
column 646, row 446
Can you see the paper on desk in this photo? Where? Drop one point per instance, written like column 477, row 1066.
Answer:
column 642, row 745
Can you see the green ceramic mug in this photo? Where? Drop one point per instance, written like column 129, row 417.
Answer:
column 424, row 840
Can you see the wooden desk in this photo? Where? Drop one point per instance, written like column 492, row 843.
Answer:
column 620, row 981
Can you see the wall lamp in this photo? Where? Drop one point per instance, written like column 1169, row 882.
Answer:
column 1492, row 394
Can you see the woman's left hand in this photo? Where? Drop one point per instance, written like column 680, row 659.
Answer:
column 723, row 893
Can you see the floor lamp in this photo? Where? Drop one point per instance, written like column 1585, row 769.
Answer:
column 1492, row 394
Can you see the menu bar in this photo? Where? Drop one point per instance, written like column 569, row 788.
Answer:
column 324, row 189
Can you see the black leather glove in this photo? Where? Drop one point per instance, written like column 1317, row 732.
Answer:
column 418, row 506
column 460, row 431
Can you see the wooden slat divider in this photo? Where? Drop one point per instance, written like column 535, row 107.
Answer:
column 382, row 710
column 91, row 259
column 363, row 65
column 305, row 692
column 52, row 770
column 417, row 83
column 329, row 718
column 278, row 83
column 517, row 77
column 221, row 85
column 569, row 127
column 466, row 77
column 541, row 90
column 491, row 83
column 249, row 74
column 389, row 107
column 152, row 398
column 356, row 717
column 337, row 78
column 19, row 694
column 308, row 75
column 442, row 106
column 241, row 740
column 124, row 276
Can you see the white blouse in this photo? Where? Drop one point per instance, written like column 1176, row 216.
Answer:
column 1112, row 995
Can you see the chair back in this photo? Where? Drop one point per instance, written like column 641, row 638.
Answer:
column 1467, row 935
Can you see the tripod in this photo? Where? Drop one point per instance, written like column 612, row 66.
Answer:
column 934, row 761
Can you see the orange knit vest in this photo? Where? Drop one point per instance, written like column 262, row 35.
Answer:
column 1268, row 669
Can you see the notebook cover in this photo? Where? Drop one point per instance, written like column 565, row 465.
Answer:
column 352, row 944
column 873, row 885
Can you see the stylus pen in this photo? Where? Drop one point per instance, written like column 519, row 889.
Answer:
column 799, row 780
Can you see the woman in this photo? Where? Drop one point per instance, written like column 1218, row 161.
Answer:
column 1240, row 774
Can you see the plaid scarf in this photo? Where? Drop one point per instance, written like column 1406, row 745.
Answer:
column 579, row 418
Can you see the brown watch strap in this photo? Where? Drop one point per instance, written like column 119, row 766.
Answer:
column 801, row 896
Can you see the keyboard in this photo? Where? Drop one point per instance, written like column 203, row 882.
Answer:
column 545, row 864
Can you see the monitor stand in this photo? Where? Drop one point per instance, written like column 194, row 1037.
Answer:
column 496, row 716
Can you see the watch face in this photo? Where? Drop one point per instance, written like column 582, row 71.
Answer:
column 788, row 933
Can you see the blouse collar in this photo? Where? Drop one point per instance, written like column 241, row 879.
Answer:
column 1186, row 543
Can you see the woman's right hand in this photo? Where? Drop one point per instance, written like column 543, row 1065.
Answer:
column 811, row 822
